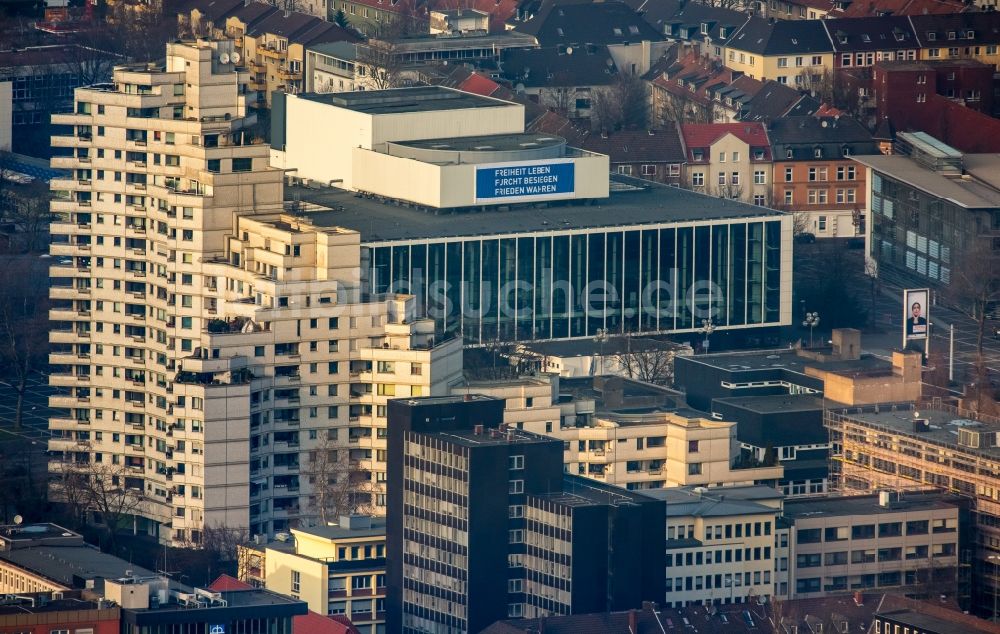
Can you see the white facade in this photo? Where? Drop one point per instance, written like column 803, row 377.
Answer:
column 205, row 344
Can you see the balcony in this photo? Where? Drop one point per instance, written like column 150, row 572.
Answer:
column 289, row 74
column 271, row 53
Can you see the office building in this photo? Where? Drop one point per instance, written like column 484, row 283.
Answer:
column 893, row 542
column 778, row 397
column 929, row 204
column 549, row 224
column 206, row 343
column 720, row 544
column 626, row 433
column 338, row 569
column 459, row 560
column 927, row 445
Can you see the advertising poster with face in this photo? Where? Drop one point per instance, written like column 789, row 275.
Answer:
column 916, row 312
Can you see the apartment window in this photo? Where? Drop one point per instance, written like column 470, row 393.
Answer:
column 736, row 157
column 821, row 223
column 809, row 536
column 921, row 98
column 242, row 164
column 760, row 200
column 692, row 446
column 515, row 487
column 296, row 581
column 214, row 165
column 649, row 170
column 734, row 178
column 722, row 178
column 515, row 536
column 515, row 463
column 782, row 62
column 698, row 179
column 789, row 196
column 694, row 468
column 759, row 178
column 722, row 157
column 625, row 170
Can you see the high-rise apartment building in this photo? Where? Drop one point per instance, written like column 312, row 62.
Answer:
column 214, row 354
column 483, row 525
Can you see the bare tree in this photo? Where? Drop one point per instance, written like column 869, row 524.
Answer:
column 649, row 364
column 23, row 324
column 380, row 62
column 672, row 109
column 339, row 486
column 874, row 285
column 102, row 489
column 975, row 287
column 27, row 209
column 222, row 542
column 620, row 105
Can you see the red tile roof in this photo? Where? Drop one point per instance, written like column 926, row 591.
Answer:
column 865, row 8
column 479, row 84
column 703, row 135
column 227, row 583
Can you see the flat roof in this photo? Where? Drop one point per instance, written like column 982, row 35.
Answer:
column 632, row 202
column 64, row 563
column 511, row 435
column 930, row 623
column 399, row 100
column 944, row 425
column 969, row 193
column 775, row 403
column 787, row 359
column 612, row 346
column 488, row 143
column 717, row 501
column 341, row 532
column 581, row 491
column 840, row 505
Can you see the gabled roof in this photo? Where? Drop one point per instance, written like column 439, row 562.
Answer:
column 804, row 135
column 701, row 136
column 249, row 14
column 500, row 11
column 677, row 19
column 554, row 67
column 885, row 33
column 984, row 27
column 228, row 583
column 865, row 8
column 638, row 146
column 784, row 37
column 775, row 100
column 595, row 23
column 213, row 9
column 300, row 28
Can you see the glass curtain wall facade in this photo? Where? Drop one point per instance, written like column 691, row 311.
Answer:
column 572, row 284
column 915, row 236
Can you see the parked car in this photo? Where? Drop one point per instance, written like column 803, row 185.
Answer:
column 806, row 238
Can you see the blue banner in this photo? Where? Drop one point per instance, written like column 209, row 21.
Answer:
column 524, row 181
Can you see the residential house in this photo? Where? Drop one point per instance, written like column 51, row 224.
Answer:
column 859, row 43
column 801, row 9
column 377, row 18
column 873, row 8
column 815, row 176
column 456, row 21
column 273, row 46
column 776, row 100
column 337, row 568
column 959, row 35
column 654, row 154
column 688, row 86
column 729, row 160
column 561, row 77
column 704, row 26
column 601, row 23
column 779, row 50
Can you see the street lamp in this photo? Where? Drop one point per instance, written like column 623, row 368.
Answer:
column 994, row 559
column 707, row 328
column 601, row 338
column 810, row 322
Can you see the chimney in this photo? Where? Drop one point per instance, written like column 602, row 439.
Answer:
column 859, row 598
column 633, row 621
column 478, row 430
column 467, row 398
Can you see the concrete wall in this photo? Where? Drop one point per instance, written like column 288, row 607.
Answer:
column 454, row 185
column 320, row 137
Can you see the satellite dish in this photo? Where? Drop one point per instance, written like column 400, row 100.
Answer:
column 235, row 57
column 224, row 58
column 519, row 88
column 18, row 520
column 569, row 50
